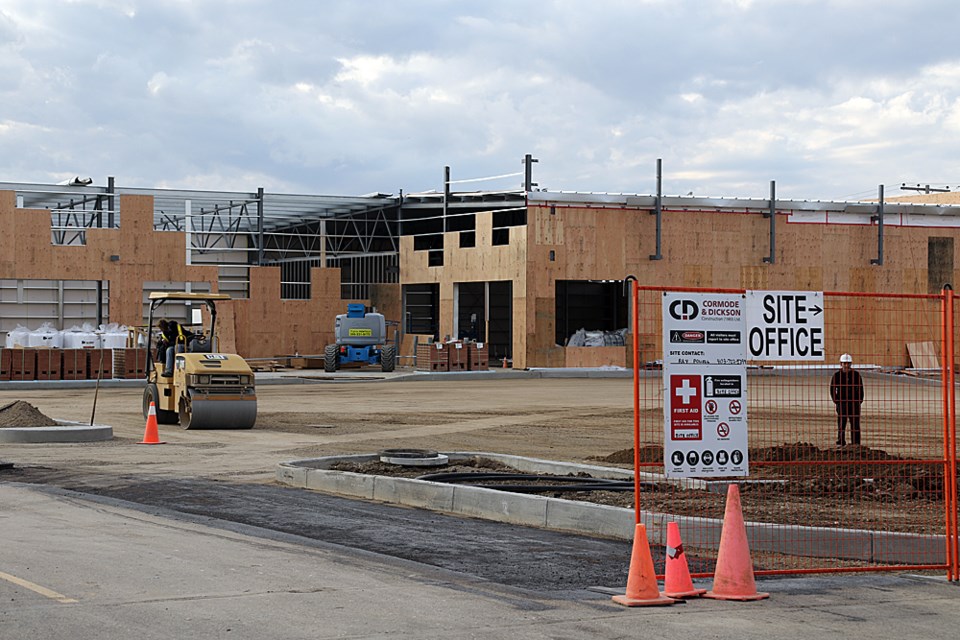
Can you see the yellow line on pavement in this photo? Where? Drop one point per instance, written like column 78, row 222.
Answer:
column 26, row 584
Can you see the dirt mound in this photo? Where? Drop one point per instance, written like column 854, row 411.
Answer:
column 649, row 453
column 19, row 414
column 806, row 452
column 796, row 452
column 375, row 467
column 850, row 470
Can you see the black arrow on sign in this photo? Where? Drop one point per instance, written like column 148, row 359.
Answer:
column 816, row 310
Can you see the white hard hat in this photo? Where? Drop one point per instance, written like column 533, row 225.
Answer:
column 846, row 358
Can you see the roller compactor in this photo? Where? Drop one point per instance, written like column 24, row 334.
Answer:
column 207, row 390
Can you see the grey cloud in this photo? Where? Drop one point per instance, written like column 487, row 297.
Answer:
column 353, row 97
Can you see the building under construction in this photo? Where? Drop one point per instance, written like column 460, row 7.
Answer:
column 523, row 271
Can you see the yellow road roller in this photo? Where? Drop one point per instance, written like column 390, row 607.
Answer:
column 206, row 389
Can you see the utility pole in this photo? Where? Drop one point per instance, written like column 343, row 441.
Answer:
column 925, row 188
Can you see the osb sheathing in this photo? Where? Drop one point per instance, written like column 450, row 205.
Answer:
column 699, row 249
column 482, row 263
column 385, row 298
column 261, row 326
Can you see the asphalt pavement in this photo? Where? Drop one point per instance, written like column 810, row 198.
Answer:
column 184, row 563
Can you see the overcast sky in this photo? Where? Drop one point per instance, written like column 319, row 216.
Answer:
column 830, row 99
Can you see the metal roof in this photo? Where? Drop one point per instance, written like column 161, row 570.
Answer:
column 237, row 211
column 280, row 211
column 700, row 203
column 463, row 199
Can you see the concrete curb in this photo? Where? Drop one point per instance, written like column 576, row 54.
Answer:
column 64, row 432
column 599, row 520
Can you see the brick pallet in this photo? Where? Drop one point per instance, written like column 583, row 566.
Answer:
column 477, row 357
column 49, row 364
column 430, row 358
column 129, row 363
column 73, row 364
column 92, row 363
column 18, row 364
column 458, row 357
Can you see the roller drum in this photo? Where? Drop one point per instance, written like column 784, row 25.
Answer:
column 218, row 414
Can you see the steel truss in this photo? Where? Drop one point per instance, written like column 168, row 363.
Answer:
column 237, row 230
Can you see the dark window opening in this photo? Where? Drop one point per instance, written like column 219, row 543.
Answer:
column 468, row 239
column 421, row 309
column 514, row 218
column 485, row 314
column 461, row 222
column 427, row 243
column 553, row 255
column 295, row 280
column 501, row 237
column 939, row 263
column 471, row 311
column 417, row 222
column 500, row 327
column 589, row 305
column 435, row 258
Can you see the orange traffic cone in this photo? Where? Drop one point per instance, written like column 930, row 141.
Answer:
column 733, row 578
column 642, row 580
column 676, row 580
column 151, row 435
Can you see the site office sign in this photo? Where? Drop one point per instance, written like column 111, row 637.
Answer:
column 785, row 325
column 705, row 385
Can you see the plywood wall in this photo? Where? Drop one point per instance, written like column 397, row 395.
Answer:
column 712, row 249
column 481, row 263
column 262, row 326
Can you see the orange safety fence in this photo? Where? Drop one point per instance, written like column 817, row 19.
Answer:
column 812, row 505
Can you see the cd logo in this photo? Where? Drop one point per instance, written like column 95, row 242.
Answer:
column 684, row 309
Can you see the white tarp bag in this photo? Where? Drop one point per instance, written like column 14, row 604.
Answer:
column 46, row 337
column 81, row 337
column 114, row 336
column 18, row 338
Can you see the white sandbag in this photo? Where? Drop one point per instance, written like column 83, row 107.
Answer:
column 80, row 340
column 18, row 338
column 114, row 336
column 46, row 337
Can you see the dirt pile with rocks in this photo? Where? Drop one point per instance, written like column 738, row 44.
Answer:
column 19, row 414
column 797, row 484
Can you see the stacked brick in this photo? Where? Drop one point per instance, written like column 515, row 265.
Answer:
column 433, row 357
column 130, row 363
column 18, row 364
column 71, row 364
column 458, row 357
column 478, row 357
column 452, row 356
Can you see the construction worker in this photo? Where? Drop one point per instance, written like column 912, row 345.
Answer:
column 846, row 391
column 162, row 343
column 174, row 339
